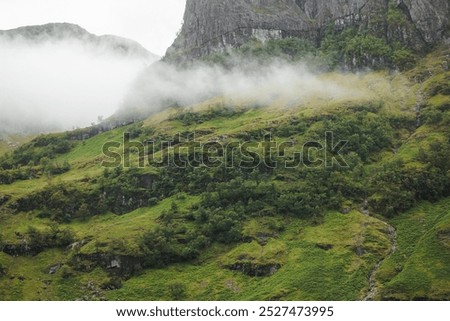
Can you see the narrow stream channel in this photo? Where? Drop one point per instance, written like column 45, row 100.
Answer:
column 373, row 286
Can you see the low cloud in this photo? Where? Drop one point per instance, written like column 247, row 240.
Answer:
column 52, row 86
column 253, row 83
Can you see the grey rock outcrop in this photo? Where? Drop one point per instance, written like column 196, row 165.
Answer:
column 430, row 18
column 215, row 25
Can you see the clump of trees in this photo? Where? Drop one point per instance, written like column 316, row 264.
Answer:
column 118, row 191
column 45, row 167
column 397, row 187
column 35, row 159
column 52, row 237
column 42, row 147
column 62, row 202
column 350, row 48
column 169, row 244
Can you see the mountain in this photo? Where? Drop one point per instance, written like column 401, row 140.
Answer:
column 214, row 25
column 57, row 32
column 59, row 76
column 259, row 180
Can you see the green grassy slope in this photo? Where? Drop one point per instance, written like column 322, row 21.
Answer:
column 419, row 268
column 203, row 234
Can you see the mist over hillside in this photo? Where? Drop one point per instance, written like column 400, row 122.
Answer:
column 58, row 76
column 273, row 82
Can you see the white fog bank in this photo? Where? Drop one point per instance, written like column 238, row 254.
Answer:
column 60, row 85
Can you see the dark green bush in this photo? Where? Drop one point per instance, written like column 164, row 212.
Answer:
column 177, row 290
column 53, row 237
column 169, row 244
column 3, row 270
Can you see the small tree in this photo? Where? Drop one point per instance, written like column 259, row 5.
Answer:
column 2, row 270
column 83, row 211
column 174, row 207
column 177, row 291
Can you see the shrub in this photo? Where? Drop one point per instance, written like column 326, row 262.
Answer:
column 177, row 291
column 432, row 116
column 3, row 270
column 366, row 50
column 67, row 272
column 167, row 244
column 403, row 58
column 113, row 283
column 53, row 237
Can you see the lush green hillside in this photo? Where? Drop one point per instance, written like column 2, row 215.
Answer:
column 419, row 269
column 377, row 228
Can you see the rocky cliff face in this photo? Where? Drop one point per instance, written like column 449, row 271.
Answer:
column 215, row 25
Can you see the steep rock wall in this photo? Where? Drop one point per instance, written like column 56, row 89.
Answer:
column 214, row 25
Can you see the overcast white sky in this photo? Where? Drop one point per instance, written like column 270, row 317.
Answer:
column 153, row 23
